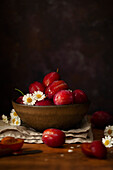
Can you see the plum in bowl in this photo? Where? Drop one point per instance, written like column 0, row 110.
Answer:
column 62, row 117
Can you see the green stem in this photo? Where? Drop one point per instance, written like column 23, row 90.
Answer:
column 9, row 118
column 19, row 91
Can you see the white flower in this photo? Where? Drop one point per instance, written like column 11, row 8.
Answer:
column 5, row 119
column 29, row 99
column 15, row 121
column 13, row 113
column 108, row 131
column 39, row 95
column 70, row 90
column 107, row 141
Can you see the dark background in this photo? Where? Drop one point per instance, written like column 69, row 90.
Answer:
column 39, row 36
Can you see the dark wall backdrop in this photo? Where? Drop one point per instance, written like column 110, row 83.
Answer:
column 76, row 36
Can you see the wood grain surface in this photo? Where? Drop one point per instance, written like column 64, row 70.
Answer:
column 57, row 158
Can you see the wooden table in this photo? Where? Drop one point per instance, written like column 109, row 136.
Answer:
column 57, row 158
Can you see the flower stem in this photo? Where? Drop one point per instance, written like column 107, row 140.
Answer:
column 19, row 91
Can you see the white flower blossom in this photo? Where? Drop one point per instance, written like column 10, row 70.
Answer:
column 13, row 113
column 15, row 121
column 4, row 119
column 39, row 95
column 29, row 99
column 108, row 131
column 107, row 141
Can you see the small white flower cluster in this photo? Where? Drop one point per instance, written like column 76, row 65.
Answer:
column 30, row 99
column 14, row 118
column 108, row 140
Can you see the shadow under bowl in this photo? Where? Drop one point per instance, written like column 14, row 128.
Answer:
column 62, row 117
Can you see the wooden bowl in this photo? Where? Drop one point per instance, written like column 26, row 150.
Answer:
column 62, row 117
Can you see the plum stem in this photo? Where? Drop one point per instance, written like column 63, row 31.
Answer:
column 19, row 91
column 57, row 70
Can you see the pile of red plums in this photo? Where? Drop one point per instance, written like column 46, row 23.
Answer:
column 56, row 90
